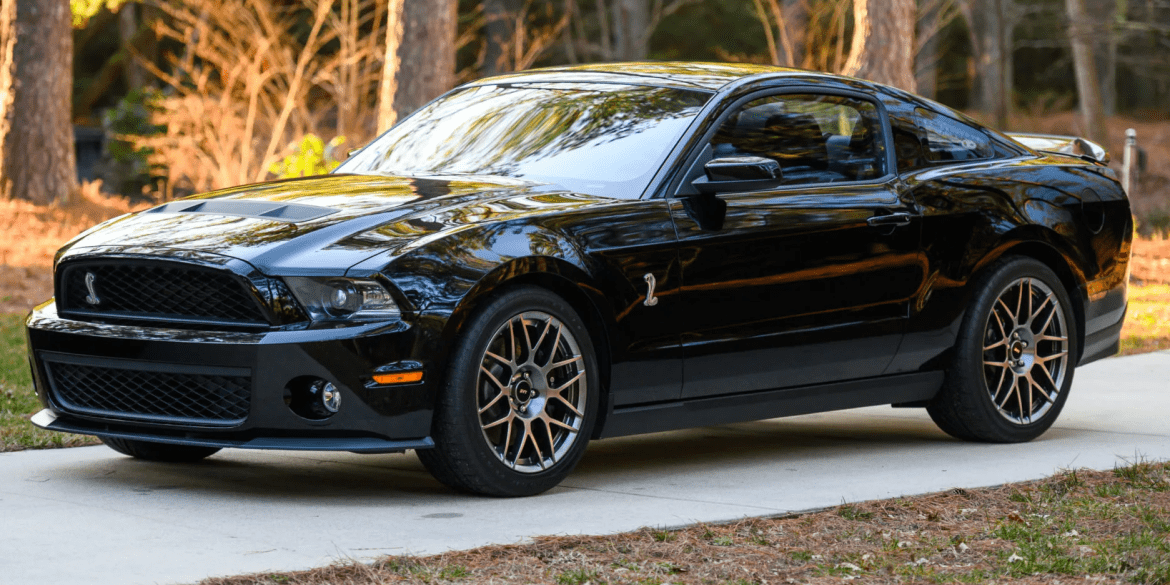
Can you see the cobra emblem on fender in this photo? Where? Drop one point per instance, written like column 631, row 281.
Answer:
column 92, row 297
column 651, row 300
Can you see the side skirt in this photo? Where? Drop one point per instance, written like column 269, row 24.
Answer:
column 669, row 416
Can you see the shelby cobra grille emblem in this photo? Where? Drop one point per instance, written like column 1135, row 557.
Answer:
column 92, row 297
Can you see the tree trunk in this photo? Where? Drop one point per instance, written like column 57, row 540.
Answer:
column 990, row 27
column 631, row 22
column 1105, row 13
column 387, row 115
column 795, row 25
column 499, row 34
column 1088, row 84
column 426, row 54
column 127, row 30
column 883, row 42
column 7, row 44
column 927, row 56
column 39, row 160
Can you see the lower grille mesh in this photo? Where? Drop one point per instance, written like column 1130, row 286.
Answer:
column 139, row 394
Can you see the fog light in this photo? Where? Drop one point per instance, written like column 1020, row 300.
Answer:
column 329, row 395
column 312, row 398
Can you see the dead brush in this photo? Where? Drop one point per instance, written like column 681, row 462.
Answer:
column 248, row 80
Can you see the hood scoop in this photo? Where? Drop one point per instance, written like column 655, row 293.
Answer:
column 273, row 211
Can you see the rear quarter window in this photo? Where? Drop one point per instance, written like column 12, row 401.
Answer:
column 947, row 139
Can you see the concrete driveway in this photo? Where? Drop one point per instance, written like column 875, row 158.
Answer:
column 88, row 515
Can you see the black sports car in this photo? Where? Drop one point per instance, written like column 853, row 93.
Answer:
column 536, row 260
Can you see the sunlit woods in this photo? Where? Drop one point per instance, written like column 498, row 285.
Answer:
column 244, row 82
column 192, row 95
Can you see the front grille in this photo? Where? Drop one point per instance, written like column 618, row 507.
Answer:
column 221, row 398
column 158, row 290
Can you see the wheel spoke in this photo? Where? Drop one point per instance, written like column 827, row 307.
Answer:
column 1028, row 379
column 1044, row 368
column 999, row 384
column 527, row 338
column 1006, row 309
column 552, row 354
column 1059, row 338
column 540, row 340
column 508, row 442
column 568, row 404
column 499, row 359
column 1049, row 358
column 996, row 364
column 491, row 377
column 552, row 421
column 512, row 335
column 562, row 363
column 1036, row 313
column 571, row 381
column 1038, row 386
column 493, row 401
column 535, row 443
column 506, row 418
column 1013, row 389
column 1019, row 397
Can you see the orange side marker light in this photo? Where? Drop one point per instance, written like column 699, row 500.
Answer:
column 399, row 378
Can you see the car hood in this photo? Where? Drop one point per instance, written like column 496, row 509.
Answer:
column 319, row 225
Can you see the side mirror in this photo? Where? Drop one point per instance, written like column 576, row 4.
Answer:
column 739, row 173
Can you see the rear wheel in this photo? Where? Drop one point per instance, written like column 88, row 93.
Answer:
column 1014, row 359
column 159, row 451
column 520, row 399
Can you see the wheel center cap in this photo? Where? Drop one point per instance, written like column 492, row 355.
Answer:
column 1022, row 350
column 522, row 391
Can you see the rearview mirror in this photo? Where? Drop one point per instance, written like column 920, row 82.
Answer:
column 739, row 173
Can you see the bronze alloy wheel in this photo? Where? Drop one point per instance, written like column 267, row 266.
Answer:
column 531, row 392
column 1025, row 351
column 1013, row 361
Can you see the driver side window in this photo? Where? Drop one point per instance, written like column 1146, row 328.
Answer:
column 815, row 138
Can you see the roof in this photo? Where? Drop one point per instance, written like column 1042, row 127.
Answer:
column 708, row 76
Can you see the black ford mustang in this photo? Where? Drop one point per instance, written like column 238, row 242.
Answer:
column 535, row 260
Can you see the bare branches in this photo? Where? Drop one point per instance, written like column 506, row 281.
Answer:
column 245, row 84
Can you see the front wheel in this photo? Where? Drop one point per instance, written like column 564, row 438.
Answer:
column 165, row 452
column 1014, row 358
column 520, row 398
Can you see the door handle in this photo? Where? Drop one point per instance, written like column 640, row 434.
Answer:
column 890, row 220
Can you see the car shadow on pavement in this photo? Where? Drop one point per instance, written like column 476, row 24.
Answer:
column 356, row 480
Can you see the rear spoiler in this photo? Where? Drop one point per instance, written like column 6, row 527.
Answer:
column 1072, row 145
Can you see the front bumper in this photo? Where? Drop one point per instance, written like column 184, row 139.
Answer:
column 372, row 418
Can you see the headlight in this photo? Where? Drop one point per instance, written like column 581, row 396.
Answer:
column 343, row 298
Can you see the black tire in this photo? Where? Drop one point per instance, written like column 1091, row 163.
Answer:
column 1010, row 386
column 165, row 452
column 473, row 447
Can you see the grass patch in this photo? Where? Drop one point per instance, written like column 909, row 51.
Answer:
column 17, row 400
column 1147, row 323
column 1075, row 527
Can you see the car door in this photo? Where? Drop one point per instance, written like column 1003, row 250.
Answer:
column 807, row 282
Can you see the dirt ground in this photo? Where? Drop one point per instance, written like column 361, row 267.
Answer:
column 1079, row 526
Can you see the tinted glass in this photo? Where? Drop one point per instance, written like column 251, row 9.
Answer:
column 815, row 138
column 948, row 139
column 600, row 139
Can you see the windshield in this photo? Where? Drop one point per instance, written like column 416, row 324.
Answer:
column 599, row 139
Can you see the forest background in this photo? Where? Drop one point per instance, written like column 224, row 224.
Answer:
column 111, row 105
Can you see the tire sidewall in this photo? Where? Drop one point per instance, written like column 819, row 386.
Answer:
column 462, row 409
column 970, row 346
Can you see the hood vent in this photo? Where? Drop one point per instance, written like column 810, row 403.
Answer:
column 287, row 212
